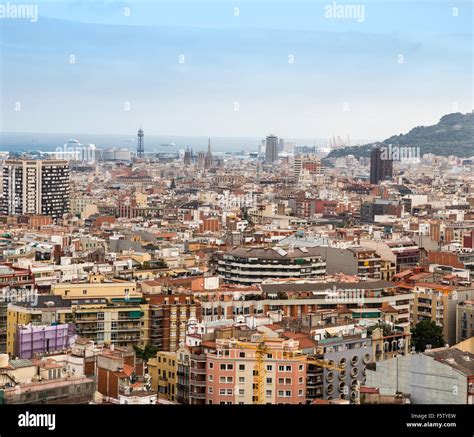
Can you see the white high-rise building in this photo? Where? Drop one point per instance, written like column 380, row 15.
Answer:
column 36, row 187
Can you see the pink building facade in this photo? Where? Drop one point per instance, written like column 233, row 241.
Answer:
column 230, row 375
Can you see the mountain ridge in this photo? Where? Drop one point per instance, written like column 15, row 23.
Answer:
column 452, row 135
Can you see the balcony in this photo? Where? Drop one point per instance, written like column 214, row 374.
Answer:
column 198, row 357
column 195, row 395
column 86, row 319
column 127, row 338
column 198, row 383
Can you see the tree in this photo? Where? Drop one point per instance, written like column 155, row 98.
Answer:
column 146, row 353
column 386, row 328
column 426, row 332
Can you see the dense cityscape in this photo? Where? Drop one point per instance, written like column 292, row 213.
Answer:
column 236, row 215
column 271, row 277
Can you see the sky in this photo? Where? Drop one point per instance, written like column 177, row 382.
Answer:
column 235, row 68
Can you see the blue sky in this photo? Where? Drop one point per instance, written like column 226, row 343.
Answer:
column 236, row 79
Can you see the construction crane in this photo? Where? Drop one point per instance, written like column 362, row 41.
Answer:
column 261, row 353
column 259, row 371
column 316, row 361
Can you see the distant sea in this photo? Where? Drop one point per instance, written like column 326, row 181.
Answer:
column 16, row 142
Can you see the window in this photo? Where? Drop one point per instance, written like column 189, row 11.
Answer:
column 288, row 368
column 242, row 354
column 268, row 392
column 288, row 393
column 226, row 379
column 211, row 378
column 210, row 390
column 241, row 366
column 241, row 392
column 281, row 393
column 229, row 392
column 269, row 380
column 281, row 368
column 269, row 368
column 241, row 379
column 211, row 365
column 222, row 391
column 281, row 380
column 300, row 380
column 301, row 367
column 288, row 381
column 227, row 367
column 300, row 393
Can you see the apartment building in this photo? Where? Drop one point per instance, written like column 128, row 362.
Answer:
column 249, row 266
column 36, row 187
column 404, row 254
column 183, row 363
column 34, row 340
column 120, row 322
column 164, row 378
column 438, row 302
column 24, row 382
column 125, row 323
column 15, row 284
column 464, row 320
column 351, row 353
column 45, row 310
column 293, row 299
column 357, row 260
column 169, row 318
column 120, row 377
column 97, row 287
column 233, row 368
column 386, row 346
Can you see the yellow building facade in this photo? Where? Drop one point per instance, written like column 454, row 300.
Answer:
column 163, row 372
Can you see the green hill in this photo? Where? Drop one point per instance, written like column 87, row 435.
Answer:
column 453, row 135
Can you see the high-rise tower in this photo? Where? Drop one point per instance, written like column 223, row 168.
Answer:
column 140, row 144
column 36, row 187
column 271, row 149
column 381, row 167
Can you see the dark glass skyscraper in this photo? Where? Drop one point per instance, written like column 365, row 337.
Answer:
column 271, row 149
column 381, row 167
